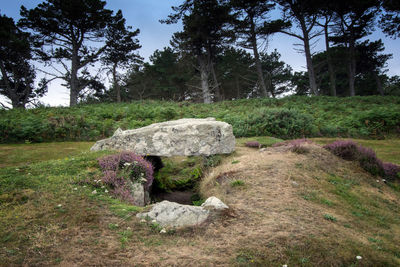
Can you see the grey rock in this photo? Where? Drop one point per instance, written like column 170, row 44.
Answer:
column 171, row 214
column 140, row 196
column 118, row 132
column 214, row 203
column 184, row 137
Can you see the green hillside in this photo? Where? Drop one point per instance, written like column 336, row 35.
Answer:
column 289, row 117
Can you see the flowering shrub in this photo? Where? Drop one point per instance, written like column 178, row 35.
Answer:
column 392, row 171
column 346, row 149
column 369, row 161
column 253, row 144
column 367, row 158
column 127, row 166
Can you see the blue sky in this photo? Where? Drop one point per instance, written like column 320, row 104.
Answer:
column 145, row 15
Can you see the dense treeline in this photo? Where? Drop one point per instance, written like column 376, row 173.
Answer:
column 218, row 55
column 289, row 117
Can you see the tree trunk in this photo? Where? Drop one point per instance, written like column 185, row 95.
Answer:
column 332, row 78
column 378, row 83
column 237, row 87
column 117, row 88
column 216, row 85
column 352, row 68
column 263, row 88
column 307, row 51
column 204, row 73
column 73, row 96
column 268, row 84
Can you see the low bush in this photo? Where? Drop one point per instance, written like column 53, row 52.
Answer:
column 121, row 169
column 369, row 161
column 288, row 118
column 345, row 149
column 367, row 158
column 280, row 122
column 392, row 171
column 377, row 122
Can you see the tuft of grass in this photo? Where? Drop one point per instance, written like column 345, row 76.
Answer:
column 125, row 236
column 237, row 183
column 329, row 217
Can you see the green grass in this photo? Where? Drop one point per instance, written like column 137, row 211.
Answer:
column 387, row 150
column 23, row 154
column 237, row 183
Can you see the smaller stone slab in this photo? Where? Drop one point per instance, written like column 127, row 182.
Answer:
column 184, row 137
column 172, row 214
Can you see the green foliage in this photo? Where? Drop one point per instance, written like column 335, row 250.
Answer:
column 329, row 217
column 283, row 123
column 237, row 183
column 178, row 173
column 289, row 117
column 212, row 161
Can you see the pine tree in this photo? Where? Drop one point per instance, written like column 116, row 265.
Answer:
column 17, row 74
column 67, row 30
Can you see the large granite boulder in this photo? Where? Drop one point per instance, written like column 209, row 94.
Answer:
column 171, row 214
column 184, row 137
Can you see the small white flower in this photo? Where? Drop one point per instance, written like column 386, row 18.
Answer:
column 59, row 205
column 128, row 228
column 102, row 186
column 143, row 180
column 106, row 191
column 358, row 257
column 163, row 231
column 124, row 209
column 29, row 173
column 154, row 221
column 142, row 220
column 94, row 192
column 75, row 188
column 127, row 164
column 377, row 181
column 84, row 186
column 17, row 169
column 285, row 265
column 384, row 180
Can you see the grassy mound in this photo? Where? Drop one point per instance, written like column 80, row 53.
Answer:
column 289, row 117
column 308, row 209
column 286, row 208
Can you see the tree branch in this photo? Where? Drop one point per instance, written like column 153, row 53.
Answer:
column 291, row 34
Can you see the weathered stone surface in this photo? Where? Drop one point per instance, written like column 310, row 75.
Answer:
column 171, row 214
column 140, row 195
column 214, row 203
column 184, row 137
